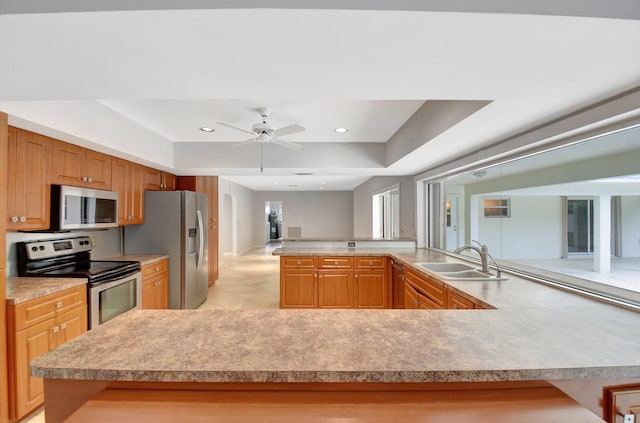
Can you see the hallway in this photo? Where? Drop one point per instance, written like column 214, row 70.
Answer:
column 247, row 281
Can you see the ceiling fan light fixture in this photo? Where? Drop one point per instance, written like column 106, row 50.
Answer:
column 341, row 130
column 206, row 129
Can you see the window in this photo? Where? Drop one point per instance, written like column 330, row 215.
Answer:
column 497, row 208
column 549, row 215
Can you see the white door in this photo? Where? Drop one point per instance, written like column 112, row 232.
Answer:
column 451, row 222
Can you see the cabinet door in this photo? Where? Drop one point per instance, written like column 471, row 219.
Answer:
column 213, row 229
column 335, row 288
column 152, row 179
column 371, row 289
column 410, row 297
column 298, row 289
column 29, row 344
column 28, row 186
column 67, row 164
column 148, row 294
column 135, row 213
column 97, row 170
column 455, row 301
column 119, row 172
column 71, row 324
column 161, row 297
column 168, row 182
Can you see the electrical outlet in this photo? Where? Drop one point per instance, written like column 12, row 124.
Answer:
column 622, row 403
column 351, row 244
column 93, row 240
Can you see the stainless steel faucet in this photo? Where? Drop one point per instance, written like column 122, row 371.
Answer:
column 483, row 252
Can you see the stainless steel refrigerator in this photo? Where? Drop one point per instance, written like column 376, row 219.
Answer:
column 175, row 223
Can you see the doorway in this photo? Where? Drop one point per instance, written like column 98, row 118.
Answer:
column 580, row 226
column 228, row 229
column 273, row 221
column 386, row 214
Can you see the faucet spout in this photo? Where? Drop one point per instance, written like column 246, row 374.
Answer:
column 483, row 252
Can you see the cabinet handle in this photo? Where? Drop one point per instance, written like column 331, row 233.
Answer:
column 157, row 268
column 56, row 329
column 315, row 275
column 455, row 306
column 130, row 217
column 14, row 219
column 23, row 219
column 416, row 302
column 356, row 275
column 90, row 179
column 299, row 262
column 158, row 283
column 320, row 276
column 63, row 326
column 335, row 262
column 59, row 304
column 370, row 263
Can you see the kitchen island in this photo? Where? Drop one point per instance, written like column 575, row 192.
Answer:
column 489, row 353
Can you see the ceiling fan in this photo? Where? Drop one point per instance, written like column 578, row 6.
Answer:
column 265, row 133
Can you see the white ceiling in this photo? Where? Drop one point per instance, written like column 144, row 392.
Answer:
column 140, row 83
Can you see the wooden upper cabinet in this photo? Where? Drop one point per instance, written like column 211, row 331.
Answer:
column 152, row 179
column 168, row 182
column 78, row 166
column 28, row 189
column 128, row 181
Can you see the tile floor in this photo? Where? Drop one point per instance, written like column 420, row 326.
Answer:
column 248, row 281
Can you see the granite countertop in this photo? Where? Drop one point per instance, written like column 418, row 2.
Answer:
column 352, row 346
column 22, row 289
column 536, row 332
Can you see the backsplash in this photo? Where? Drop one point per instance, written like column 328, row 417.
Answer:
column 107, row 243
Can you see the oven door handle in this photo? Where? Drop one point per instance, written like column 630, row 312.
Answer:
column 200, row 239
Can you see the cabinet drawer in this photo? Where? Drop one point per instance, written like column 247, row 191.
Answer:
column 335, row 262
column 432, row 290
column 298, row 262
column 455, row 301
column 378, row 263
column 155, row 268
column 41, row 309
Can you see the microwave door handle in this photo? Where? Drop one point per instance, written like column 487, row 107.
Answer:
column 200, row 239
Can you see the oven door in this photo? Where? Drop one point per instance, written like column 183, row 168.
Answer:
column 112, row 298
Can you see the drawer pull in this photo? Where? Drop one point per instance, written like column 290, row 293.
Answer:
column 63, row 326
column 59, row 304
column 23, row 219
column 15, row 219
column 299, row 262
column 335, row 262
column 56, row 329
column 157, row 268
column 370, row 263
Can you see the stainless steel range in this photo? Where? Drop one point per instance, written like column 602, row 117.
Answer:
column 113, row 288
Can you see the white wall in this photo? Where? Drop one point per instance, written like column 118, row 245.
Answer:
column 362, row 205
column 320, row 214
column 533, row 231
column 631, row 226
column 107, row 244
column 243, row 198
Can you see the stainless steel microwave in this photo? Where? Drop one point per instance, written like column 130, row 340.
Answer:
column 83, row 208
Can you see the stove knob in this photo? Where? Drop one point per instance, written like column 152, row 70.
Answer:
column 34, row 249
column 41, row 248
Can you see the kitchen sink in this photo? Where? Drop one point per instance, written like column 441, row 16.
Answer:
column 459, row 272
column 446, row 267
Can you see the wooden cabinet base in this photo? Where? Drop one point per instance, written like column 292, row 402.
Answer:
column 521, row 402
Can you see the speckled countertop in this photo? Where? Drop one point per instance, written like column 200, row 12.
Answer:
column 21, row 289
column 536, row 332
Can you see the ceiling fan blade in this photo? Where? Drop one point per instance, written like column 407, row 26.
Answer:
column 287, row 144
column 245, row 142
column 286, row 130
column 239, row 128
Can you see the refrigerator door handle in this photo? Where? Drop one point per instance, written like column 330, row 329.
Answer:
column 200, row 239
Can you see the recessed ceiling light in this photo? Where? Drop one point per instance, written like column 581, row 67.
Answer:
column 275, row 183
column 341, row 130
column 207, row 129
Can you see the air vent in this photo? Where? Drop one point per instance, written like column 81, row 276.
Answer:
column 303, row 173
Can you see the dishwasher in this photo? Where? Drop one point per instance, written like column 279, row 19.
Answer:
column 397, row 277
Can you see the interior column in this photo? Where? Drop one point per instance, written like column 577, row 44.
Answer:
column 602, row 234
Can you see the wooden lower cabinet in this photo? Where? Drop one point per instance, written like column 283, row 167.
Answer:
column 34, row 328
column 371, row 289
column 155, row 285
column 434, row 292
column 456, row 301
column 334, row 282
column 298, row 288
column 335, row 288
